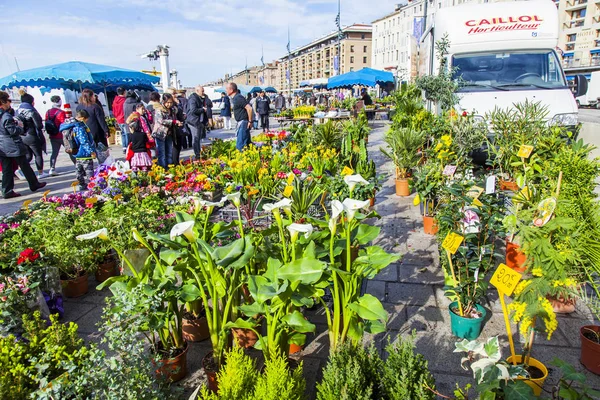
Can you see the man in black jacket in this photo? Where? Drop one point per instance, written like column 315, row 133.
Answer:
column 129, row 107
column 199, row 112
column 12, row 150
column 262, row 109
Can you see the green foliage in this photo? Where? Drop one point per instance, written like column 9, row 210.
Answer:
column 406, row 375
column 329, row 134
column 46, row 353
column 572, row 384
column 404, row 145
column 352, row 373
column 239, row 380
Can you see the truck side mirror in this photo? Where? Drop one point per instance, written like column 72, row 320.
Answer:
column 580, row 86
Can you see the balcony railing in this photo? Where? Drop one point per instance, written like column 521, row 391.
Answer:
column 592, row 62
column 570, row 47
column 575, row 23
column 576, row 4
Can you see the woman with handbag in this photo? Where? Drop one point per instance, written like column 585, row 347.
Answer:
column 165, row 129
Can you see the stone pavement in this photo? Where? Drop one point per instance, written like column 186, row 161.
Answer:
column 411, row 290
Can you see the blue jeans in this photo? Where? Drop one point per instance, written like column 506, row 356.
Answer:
column 164, row 151
column 124, row 135
column 242, row 135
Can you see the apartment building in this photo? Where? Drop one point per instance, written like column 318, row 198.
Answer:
column 396, row 35
column 319, row 59
column 580, row 33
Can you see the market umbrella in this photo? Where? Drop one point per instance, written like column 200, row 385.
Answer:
column 244, row 89
column 77, row 75
column 269, row 89
column 364, row 77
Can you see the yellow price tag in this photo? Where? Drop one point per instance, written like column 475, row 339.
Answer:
column 475, row 192
column 26, row 203
column 91, row 200
column 525, row 151
column 452, row 242
column 505, row 279
column 74, row 184
column 118, row 197
column 477, row 203
column 45, row 193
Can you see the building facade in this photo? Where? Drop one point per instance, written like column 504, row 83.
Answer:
column 319, row 59
column 579, row 33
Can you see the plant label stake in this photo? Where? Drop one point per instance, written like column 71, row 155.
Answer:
column 45, row 194
column 74, row 185
column 506, row 280
column 449, row 170
column 26, row 204
column 451, row 244
column 525, row 151
column 490, row 184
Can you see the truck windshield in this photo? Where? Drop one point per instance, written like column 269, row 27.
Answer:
column 516, row 70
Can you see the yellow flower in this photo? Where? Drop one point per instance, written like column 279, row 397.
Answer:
column 521, row 286
column 446, row 140
column 537, row 271
column 518, row 310
column 347, row 171
column 287, row 192
column 252, row 192
column 290, row 179
column 417, row 200
column 550, row 318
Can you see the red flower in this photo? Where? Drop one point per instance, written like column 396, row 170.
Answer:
column 464, row 114
column 91, row 185
column 29, row 255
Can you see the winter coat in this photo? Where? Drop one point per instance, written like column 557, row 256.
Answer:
column 11, row 143
column 83, row 137
column 279, row 102
column 129, row 106
column 117, row 109
column 33, row 126
column 165, row 122
column 262, row 105
column 226, row 110
column 182, row 104
column 199, row 110
column 96, row 121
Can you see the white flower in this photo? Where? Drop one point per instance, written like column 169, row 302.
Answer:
column 235, row 198
column 198, row 202
column 296, row 229
column 351, row 206
column 336, row 209
column 137, row 236
column 284, row 203
column 184, row 228
column 353, row 180
column 100, row 234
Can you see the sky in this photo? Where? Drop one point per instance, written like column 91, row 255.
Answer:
column 207, row 38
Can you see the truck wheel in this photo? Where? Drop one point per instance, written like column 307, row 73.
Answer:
column 578, row 103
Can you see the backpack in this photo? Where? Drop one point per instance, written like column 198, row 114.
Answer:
column 71, row 146
column 50, row 124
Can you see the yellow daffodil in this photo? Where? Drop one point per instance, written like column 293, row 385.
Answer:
column 287, row 192
column 347, row 171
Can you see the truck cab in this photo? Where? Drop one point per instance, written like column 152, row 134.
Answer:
column 504, row 53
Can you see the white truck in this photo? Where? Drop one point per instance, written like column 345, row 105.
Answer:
column 505, row 53
column 591, row 98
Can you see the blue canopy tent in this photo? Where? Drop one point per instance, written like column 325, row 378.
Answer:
column 77, row 75
column 364, row 77
column 244, row 89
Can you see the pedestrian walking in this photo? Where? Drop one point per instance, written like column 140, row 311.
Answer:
column 313, row 100
column 263, row 106
column 119, row 114
column 279, row 103
column 254, row 113
column 96, row 122
column 182, row 107
column 54, row 118
column 179, row 137
column 242, row 113
column 85, row 150
column 226, row 111
column 164, row 131
column 13, row 151
column 198, row 117
column 33, row 127
column 129, row 107
column 154, row 101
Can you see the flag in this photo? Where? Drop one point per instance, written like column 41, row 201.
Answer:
column 337, row 21
column 287, row 76
column 288, row 44
column 418, row 27
column 262, row 57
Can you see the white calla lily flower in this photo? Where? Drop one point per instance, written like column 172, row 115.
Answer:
column 296, row 229
column 235, row 198
column 336, row 209
column 353, row 180
column 137, row 236
column 99, row 234
column 351, row 206
column 184, row 228
column 284, row 203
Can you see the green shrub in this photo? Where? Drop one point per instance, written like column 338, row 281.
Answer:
column 406, row 374
column 278, row 382
column 352, row 373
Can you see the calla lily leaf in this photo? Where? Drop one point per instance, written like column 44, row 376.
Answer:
column 369, row 308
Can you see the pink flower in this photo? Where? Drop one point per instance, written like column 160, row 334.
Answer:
column 4, row 298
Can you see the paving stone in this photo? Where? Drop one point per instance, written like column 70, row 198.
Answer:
column 423, row 319
column 388, row 274
column 418, row 257
column 570, row 327
column 88, row 322
column 396, row 315
column 427, row 275
column 445, row 383
column 377, row 289
column 76, row 310
column 410, row 294
column 317, row 345
column 440, row 297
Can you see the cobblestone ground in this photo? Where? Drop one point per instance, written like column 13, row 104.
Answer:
column 411, row 291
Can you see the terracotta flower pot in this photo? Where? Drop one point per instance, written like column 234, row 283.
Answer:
column 590, row 350
column 106, row 270
column 294, row 348
column 372, row 201
column 211, row 370
column 174, row 369
column 561, row 305
column 515, row 259
column 402, row 187
column 195, row 330
column 245, row 338
column 75, row 287
column 537, row 383
column 430, row 226
column 509, row 185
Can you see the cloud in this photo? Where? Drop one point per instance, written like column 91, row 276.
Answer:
column 207, row 38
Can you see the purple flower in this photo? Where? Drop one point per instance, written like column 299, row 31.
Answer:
column 297, row 171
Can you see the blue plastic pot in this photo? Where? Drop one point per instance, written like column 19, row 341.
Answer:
column 466, row 328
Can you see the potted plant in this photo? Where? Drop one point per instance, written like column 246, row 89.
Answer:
column 403, row 150
column 477, row 218
column 427, row 183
